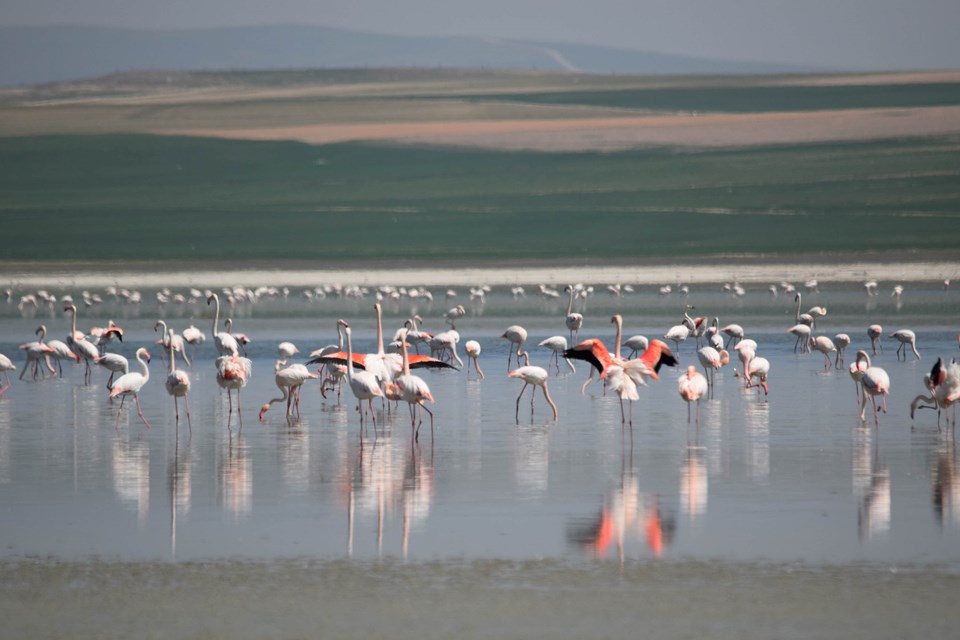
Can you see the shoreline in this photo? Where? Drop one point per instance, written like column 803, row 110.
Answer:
column 695, row 271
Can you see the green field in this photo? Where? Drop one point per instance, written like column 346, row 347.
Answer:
column 122, row 197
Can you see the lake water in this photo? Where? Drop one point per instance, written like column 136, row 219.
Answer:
column 508, row 529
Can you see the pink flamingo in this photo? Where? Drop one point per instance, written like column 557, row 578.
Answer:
column 177, row 383
column 692, row 386
column 875, row 382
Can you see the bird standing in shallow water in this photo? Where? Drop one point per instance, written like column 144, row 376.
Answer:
column 535, row 377
column 131, row 384
column 906, row 337
column 692, row 386
column 874, row 382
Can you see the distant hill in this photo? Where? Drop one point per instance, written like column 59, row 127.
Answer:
column 30, row 55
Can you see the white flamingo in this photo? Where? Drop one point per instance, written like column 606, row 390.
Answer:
column 177, row 383
column 573, row 320
column 557, row 344
column 824, row 345
column 472, row 347
column 131, row 384
column 516, row 335
column 363, row 384
column 692, row 386
column 535, row 377
column 875, row 382
column 906, row 337
column 225, row 343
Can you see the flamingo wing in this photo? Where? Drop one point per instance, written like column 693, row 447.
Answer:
column 340, row 357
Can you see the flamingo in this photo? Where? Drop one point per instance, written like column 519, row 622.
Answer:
column 363, row 384
column 473, row 353
column 802, row 331
column 842, row 341
column 745, row 349
column 735, row 332
column 535, row 377
column 944, row 385
column 106, row 335
column 557, row 344
column 170, row 338
column 177, row 383
column 114, row 363
column 242, row 339
column 6, row 365
column 194, row 337
column 856, row 370
column 573, row 320
column 875, row 333
column 60, row 351
column 233, row 372
column 875, row 382
column 711, row 360
column 287, row 350
column 288, row 379
column 225, row 343
column 37, row 351
column 455, row 314
column 131, row 384
column 824, row 345
column 441, row 343
column 617, row 319
column 413, row 390
column 517, row 335
column 677, row 334
column 692, row 386
column 697, row 326
column 334, row 373
column 758, row 368
column 636, row 344
column 80, row 346
column 905, row 337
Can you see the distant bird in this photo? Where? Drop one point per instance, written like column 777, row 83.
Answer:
column 875, row 382
column 516, row 335
column 131, row 384
column 535, row 377
column 455, row 314
column 875, row 333
column 557, row 344
column 692, row 386
column 841, row 341
column 472, row 348
column 824, row 345
column 636, row 344
column 906, row 337
column 194, row 337
column 177, row 383
column 573, row 320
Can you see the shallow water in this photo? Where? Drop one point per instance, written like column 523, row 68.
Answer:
column 761, row 485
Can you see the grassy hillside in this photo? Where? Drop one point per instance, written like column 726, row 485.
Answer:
column 125, row 197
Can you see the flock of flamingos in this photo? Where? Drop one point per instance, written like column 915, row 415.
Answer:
column 387, row 374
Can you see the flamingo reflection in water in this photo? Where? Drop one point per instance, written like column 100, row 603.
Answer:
column 627, row 513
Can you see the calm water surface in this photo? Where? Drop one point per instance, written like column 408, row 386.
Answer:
column 793, row 479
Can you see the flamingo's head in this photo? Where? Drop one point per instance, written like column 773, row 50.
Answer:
column 263, row 410
column 343, row 323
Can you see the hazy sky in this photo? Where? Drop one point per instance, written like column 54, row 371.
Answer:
column 895, row 34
